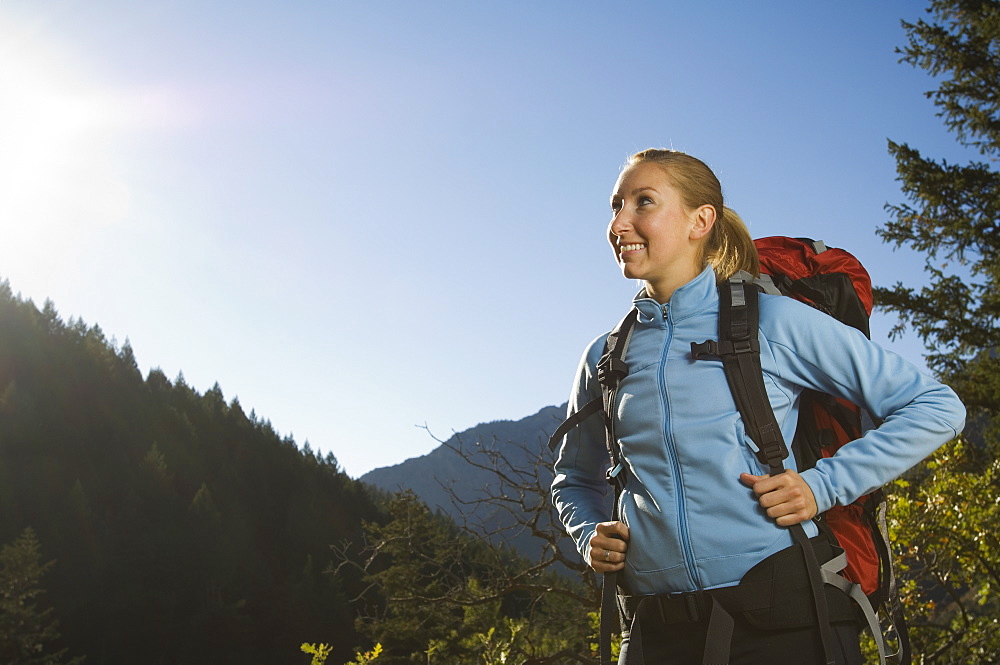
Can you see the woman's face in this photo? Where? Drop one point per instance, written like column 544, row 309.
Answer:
column 655, row 237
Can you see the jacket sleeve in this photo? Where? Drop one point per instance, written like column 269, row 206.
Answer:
column 918, row 413
column 579, row 488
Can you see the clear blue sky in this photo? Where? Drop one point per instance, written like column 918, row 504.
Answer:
column 364, row 217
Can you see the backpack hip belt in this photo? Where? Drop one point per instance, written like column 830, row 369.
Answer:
column 769, row 597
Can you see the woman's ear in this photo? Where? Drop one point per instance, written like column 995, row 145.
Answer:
column 703, row 219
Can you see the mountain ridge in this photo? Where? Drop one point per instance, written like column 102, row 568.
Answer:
column 424, row 474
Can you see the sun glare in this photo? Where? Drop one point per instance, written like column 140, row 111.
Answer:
column 60, row 134
column 54, row 173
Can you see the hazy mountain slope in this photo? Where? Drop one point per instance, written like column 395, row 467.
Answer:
column 429, row 474
column 444, row 474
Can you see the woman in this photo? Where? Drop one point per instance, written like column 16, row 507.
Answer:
column 698, row 511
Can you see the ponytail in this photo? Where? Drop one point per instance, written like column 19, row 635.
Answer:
column 729, row 247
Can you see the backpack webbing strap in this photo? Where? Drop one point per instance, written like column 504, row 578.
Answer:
column 720, row 625
column 830, row 576
column 611, row 369
column 815, row 574
column 888, row 593
column 888, row 590
column 609, row 608
column 715, row 608
column 739, row 349
column 589, row 409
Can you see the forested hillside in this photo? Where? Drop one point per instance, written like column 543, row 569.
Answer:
column 141, row 521
column 182, row 529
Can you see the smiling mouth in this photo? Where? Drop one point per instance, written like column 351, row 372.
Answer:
column 631, row 248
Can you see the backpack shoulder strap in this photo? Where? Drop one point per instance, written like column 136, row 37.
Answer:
column 610, row 372
column 588, row 409
column 739, row 348
column 611, row 369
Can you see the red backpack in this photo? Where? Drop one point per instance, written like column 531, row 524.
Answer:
column 834, row 281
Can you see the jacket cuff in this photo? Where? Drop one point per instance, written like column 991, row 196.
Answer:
column 822, row 492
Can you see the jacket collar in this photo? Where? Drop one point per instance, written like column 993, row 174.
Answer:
column 697, row 295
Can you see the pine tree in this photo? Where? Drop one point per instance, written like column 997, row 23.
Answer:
column 944, row 515
column 953, row 213
column 28, row 632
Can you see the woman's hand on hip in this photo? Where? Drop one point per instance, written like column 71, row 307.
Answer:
column 786, row 497
column 608, row 547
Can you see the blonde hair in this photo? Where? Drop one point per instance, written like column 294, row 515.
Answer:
column 728, row 248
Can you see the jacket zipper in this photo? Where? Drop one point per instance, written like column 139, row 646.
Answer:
column 672, row 455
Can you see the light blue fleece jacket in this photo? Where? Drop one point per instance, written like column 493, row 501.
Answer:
column 693, row 524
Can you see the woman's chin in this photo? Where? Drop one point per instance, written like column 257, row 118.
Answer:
column 629, row 273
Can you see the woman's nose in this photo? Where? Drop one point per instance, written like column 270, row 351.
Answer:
column 620, row 224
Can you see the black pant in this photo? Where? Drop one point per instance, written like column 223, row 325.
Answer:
column 683, row 643
column 776, row 593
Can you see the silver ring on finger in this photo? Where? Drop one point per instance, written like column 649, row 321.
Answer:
column 607, row 555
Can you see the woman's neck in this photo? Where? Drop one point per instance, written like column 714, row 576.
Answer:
column 661, row 290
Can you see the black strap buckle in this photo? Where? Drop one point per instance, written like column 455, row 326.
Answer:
column 707, row 348
column 690, row 605
column 714, row 349
column 610, row 371
column 693, row 607
column 747, row 345
column 771, row 449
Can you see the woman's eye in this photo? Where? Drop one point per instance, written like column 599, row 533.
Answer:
column 644, row 200
column 616, row 206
